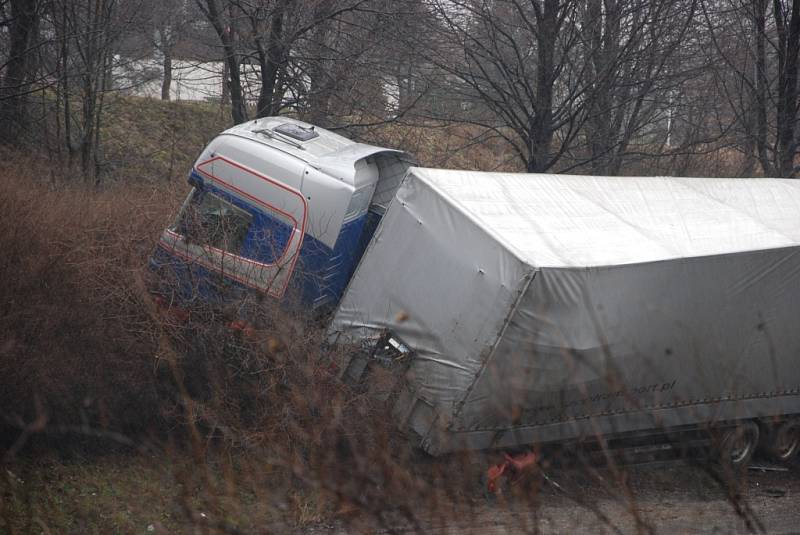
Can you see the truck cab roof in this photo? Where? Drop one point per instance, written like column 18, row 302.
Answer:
column 324, row 150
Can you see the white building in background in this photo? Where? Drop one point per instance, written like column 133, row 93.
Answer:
column 191, row 80
column 202, row 81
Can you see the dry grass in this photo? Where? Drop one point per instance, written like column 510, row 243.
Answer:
column 150, row 140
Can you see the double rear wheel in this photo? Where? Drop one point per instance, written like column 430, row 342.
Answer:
column 779, row 441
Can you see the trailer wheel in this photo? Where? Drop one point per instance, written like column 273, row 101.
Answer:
column 783, row 441
column 737, row 445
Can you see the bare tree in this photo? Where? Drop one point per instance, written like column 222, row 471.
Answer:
column 303, row 50
column 15, row 84
column 86, row 35
column 220, row 17
column 591, row 85
column 168, row 25
column 758, row 42
column 565, row 83
column 631, row 47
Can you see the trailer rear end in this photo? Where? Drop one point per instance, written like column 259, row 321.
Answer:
column 535, row 309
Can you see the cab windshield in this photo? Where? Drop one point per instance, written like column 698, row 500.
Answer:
column 208, row 219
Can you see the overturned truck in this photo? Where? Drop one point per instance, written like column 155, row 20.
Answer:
column 517, row 309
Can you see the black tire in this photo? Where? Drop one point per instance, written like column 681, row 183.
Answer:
column 782, row 442
column 737, row 445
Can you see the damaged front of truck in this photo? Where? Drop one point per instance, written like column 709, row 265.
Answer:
column 278, row 208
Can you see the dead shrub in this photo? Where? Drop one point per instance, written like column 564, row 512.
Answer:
column 77, row 343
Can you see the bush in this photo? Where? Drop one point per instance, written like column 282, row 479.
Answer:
column 78, row 341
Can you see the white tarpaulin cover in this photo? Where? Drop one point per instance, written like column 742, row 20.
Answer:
column 543, row 307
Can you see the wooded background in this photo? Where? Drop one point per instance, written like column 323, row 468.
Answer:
column 573, row 86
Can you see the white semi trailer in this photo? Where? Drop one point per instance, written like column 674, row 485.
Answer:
column 519, row 308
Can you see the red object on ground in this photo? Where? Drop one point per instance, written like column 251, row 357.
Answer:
column 177, row 313
column 243, row 326
column 517, row 463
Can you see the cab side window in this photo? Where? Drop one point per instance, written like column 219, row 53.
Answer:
column 213, row 221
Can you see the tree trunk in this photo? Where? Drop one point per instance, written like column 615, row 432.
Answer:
column 540, row 128
column 13, row 100
column 321, row 73
column 761, row 85
column 226, row 94
column 271, row 61
column 786, row 107
column 166, row 81
column 600, row 138
column 234, row 80
column 65, row 89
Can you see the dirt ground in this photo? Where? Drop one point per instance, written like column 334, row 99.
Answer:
column 668, row 497
column 671, row 498
column 143, row 494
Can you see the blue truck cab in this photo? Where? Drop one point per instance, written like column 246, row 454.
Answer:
column 280, row 208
